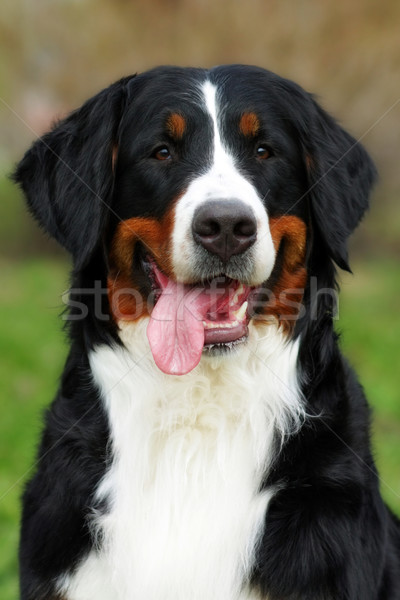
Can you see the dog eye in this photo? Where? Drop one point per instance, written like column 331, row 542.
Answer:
column 263, row 152
column 162, row 153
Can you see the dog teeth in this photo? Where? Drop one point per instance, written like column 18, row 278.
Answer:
column 241, row 312
column 220, row 325
column 237, row 294
column 239, row 316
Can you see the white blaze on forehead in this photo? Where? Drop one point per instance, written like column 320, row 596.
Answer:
column 222, row 181
column 221, row 159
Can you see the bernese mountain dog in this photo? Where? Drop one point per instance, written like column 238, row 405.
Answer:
column 208, row 440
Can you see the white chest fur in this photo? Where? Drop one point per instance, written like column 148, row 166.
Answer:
column 189, row 452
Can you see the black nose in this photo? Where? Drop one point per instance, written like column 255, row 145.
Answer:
column 224, row 227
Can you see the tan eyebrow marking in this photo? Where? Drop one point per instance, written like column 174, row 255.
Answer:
column 249, row 124
column 176, row 125
column 114, row 156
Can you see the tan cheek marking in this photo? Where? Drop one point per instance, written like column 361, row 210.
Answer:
column 124, row 298
column 176, row 125
column 288, row 291
column 294, row 231
column 249, row 124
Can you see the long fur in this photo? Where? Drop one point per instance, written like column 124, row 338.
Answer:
column 250, row 477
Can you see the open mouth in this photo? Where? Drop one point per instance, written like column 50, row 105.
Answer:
column 189, row 319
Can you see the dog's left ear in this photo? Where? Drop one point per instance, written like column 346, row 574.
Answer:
column 67, row 175
column 340, row 178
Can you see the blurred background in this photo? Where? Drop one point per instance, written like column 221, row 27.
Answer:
column 56, row 53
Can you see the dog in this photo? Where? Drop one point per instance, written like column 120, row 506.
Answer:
column 208, row 440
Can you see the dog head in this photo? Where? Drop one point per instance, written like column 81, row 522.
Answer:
column 204, row 193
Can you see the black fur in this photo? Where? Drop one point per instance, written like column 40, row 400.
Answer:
column 328, row 534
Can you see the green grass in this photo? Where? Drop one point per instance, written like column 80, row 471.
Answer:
column 33, row 350
column 370, row 327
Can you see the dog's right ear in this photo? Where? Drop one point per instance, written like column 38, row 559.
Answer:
column 67, row 175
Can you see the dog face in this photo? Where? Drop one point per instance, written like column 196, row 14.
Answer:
column 205, row 191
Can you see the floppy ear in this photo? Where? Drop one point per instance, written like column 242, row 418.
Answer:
column 341, row 175
column 67, row 175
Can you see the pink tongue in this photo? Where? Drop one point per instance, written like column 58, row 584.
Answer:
column 175, row 330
